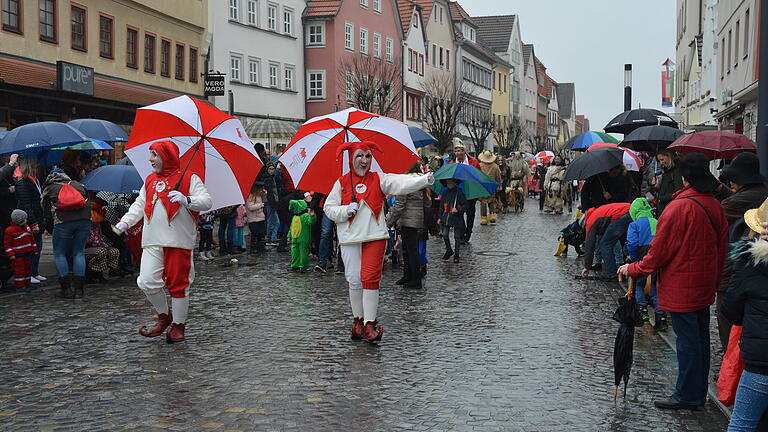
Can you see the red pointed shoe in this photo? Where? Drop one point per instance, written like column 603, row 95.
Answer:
column 357, row 329
column 163, row 321
column 175, row 333
column 372, row 331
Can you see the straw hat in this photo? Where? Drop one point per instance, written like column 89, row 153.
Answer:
column 756, row 217
column 487, row 157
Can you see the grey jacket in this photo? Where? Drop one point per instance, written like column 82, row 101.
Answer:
column 409, row 210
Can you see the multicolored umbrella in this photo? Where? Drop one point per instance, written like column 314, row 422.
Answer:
column 272, row 128
column 212, row 145
column 310, row 157
column 582, row 141
column 474, row 182
column 714, row 144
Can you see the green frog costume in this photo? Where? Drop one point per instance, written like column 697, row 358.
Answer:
column 300, row 234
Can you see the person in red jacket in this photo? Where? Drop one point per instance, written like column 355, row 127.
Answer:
column 597, row 221
column 688, row 253
column 19, row 244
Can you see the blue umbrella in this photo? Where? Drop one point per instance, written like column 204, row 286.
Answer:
column 2, row 134
column 100, row 129
column 53, row 155
column 34, row 137
column 583, row 141
column 114, row 178
column 420, row 137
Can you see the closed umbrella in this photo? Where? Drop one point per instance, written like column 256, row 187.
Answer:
column 714, row 144
column 628, row 121
column 100, row 129
column 651, row 139
column 628, row 315
column 594, row 162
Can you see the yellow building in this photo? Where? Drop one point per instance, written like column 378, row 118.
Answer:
column 500, row 105
column 61, row 60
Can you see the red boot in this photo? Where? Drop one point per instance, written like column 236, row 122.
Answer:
column 372, row 331
column 357, row 329
column 163, row 321
column 175, row 333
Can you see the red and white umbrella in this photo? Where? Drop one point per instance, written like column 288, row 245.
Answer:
column 544, row 156
column 310, row 157
column 211, row 144
column 631, row 159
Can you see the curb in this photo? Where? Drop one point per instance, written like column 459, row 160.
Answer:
column 712, row 388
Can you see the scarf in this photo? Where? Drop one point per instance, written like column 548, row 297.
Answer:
column 158, row 185
column 366, row 188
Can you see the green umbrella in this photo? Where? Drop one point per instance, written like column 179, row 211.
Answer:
column 474, row 182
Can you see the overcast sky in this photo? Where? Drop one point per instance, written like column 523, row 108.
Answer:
column 589, row 41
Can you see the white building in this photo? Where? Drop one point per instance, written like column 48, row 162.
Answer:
column 414, row 61
column 259, row 47
column 553, row 116
column 502, row 34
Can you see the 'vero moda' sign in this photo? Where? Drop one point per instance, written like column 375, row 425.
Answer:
column 74, row 78
column 214, row 85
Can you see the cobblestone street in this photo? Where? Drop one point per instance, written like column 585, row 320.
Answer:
column 507, row 340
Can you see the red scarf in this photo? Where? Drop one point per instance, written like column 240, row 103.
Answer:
column 367, row 188
column 157, row 186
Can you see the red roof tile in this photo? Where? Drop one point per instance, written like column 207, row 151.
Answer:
column 406, row 12
column 458, row 13
column 426, row 8
column 323, row 8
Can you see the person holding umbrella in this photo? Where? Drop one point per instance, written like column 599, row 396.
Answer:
column 168, row 203
column 460, row 156
column 356, row 204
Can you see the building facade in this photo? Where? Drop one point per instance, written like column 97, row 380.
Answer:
column 566, row 102
column 500, row 95
column 414, row 58
column 737, row 66
column 501, row 33
column 102, row 58
column 259, row 46
column 440, row 39
column 553, row 116
column 530, row 93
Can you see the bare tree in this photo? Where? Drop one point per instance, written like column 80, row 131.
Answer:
column 510, row 136
column 479, row 125
column 372, row 84
column 443, row 104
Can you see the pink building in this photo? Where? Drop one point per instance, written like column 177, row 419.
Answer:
column 337, row 31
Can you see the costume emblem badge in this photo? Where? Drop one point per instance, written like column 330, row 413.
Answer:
column 361, row 188
column 160, row 186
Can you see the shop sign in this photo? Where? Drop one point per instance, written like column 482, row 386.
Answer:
column 214, row 85
column 74, row 78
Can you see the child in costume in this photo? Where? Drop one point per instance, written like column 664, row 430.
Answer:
column 300, row 234
column 19, row 244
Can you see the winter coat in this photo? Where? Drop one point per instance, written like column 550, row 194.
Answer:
column 748, row 197
column 7, row 198
column 687, row 252
column 671, row 182
column 493, row 171
column 642, row 230
column 54, row 216
column 272, row 193
column 241, row 216
column 612, row 211
column 28, row 196
column 18, row 239
column 746, row 303
column 410, row 210
column 254, row 208
column 449, row 199
column 592, row 192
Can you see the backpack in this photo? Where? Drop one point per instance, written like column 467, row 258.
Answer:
column 70, row 199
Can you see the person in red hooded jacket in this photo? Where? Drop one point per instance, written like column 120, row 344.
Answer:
column 688, row 253
column 356, row 204
column 169, row 203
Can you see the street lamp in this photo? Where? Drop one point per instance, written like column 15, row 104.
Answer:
column 627, row 87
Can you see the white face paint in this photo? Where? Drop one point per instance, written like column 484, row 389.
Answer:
column 156, row 161
column 361, row 161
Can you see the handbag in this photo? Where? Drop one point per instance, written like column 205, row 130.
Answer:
column 731, row 369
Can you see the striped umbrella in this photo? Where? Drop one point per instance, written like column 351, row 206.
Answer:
column 272, row 128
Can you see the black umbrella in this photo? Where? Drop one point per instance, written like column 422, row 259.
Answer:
column 651, row 138
column 628, row 315
column 594, row 162
column 628, row 121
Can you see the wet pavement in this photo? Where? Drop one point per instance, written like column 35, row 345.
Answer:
column 507, row 340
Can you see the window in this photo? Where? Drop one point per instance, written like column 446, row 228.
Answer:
column 434, row 55
column 274, row 72
column 377, row 5
column 421, row 64
column 746, row 33
column 47, row 20
column 350, row 87
column 441, row 15
column 12, row 16
column 272, row 17
column 442, row 62
column 149, row 53
column 254, row 69
column 377, row 45
column 349, row 30
column 390, row 53
column 288, row 73
column 434, row 12
column 415, row 20
column 316, row 34
column 730, row 45
column 105, row 36
column 192, row 65
column 413, row 107
column 252, row 12
column 131, row 41
column 736, row 44
column 364, row 3
column 363, row 41
column 78, row 29
column 410, row 59
column 287, row 21
column 448, row 60
column 234, row 10
column 316, row 84
column 179, row 62
column 235, row 63
column 165, row 58
column 722, row 58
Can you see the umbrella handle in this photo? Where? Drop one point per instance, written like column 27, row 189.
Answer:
column 197, row 147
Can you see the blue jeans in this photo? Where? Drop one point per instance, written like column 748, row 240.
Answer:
column 640, row 292
column 751, row 402
column 35, row 259
column 692, row 330
column 273, row 223
column 226, row 233
column 610, row 241
column 423, row 252
column 69, row 244
column 326, row 240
